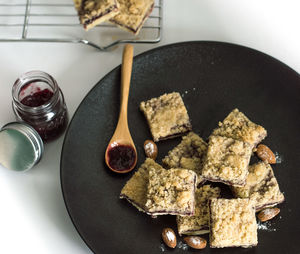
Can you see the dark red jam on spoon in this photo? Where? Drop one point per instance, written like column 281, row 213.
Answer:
column 121, row 157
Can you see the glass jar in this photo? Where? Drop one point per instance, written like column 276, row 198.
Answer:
column 38, row 101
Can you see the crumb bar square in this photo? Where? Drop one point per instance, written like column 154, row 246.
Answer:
column 189, row 154
column 236, row 125
column 77, row 4
column 94, row 12
column 198, row 223
column 133, row 14
column 171, row 191
column 261, row 187
column 135, row 190
column 227, row 161
column 167, row 116
column 232, row 223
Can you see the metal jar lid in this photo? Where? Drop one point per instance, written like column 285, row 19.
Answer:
column 21, row 147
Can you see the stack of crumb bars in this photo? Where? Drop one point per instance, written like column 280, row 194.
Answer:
column 181, row 185
column 129, row 15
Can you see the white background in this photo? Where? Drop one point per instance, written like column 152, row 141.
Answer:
column 33, row 217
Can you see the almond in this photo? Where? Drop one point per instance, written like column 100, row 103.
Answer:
column 169, row 237
column 265, row 154
column 150, row 149
column 268, row 214
column 195, row 242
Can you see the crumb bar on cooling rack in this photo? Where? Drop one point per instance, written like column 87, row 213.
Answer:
column 261, row 187
column 237, row 126
column 133, row 14
column 199, row 223
column 171, row 191
column 188, row 154
column 167, row 116
column 232, row 223
column 94, row 12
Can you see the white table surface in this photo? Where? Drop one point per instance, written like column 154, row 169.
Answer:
column 33, row 216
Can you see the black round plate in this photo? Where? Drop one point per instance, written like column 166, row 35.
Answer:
column 213, row 78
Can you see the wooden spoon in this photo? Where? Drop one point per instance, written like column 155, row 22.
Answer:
column 121, row 155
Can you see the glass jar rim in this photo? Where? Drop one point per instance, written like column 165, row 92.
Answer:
column 28, row 77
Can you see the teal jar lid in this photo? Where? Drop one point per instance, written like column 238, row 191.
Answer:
column 21, row 147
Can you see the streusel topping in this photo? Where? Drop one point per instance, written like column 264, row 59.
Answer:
column 261, row 187
column 236, row 125
column 132, row 13
column 135, row 190
column 171, row 191
column 188, row 154
column 227, row 160
column 232, row 223
column 199, row 223
column 166, row 116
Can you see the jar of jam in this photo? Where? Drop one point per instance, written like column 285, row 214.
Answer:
column 38, row 101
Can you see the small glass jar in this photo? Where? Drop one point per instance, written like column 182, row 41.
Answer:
column 38, row 101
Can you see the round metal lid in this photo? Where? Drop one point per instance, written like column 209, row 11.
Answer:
column 21, row 147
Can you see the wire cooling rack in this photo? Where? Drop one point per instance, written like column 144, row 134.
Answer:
column 57, row 21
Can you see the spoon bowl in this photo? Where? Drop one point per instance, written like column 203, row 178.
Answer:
column 121, row 154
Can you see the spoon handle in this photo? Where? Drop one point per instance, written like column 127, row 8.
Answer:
column 125, row 78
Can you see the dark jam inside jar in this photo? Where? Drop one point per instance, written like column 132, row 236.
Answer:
column 121, row 157
column 38, row 98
